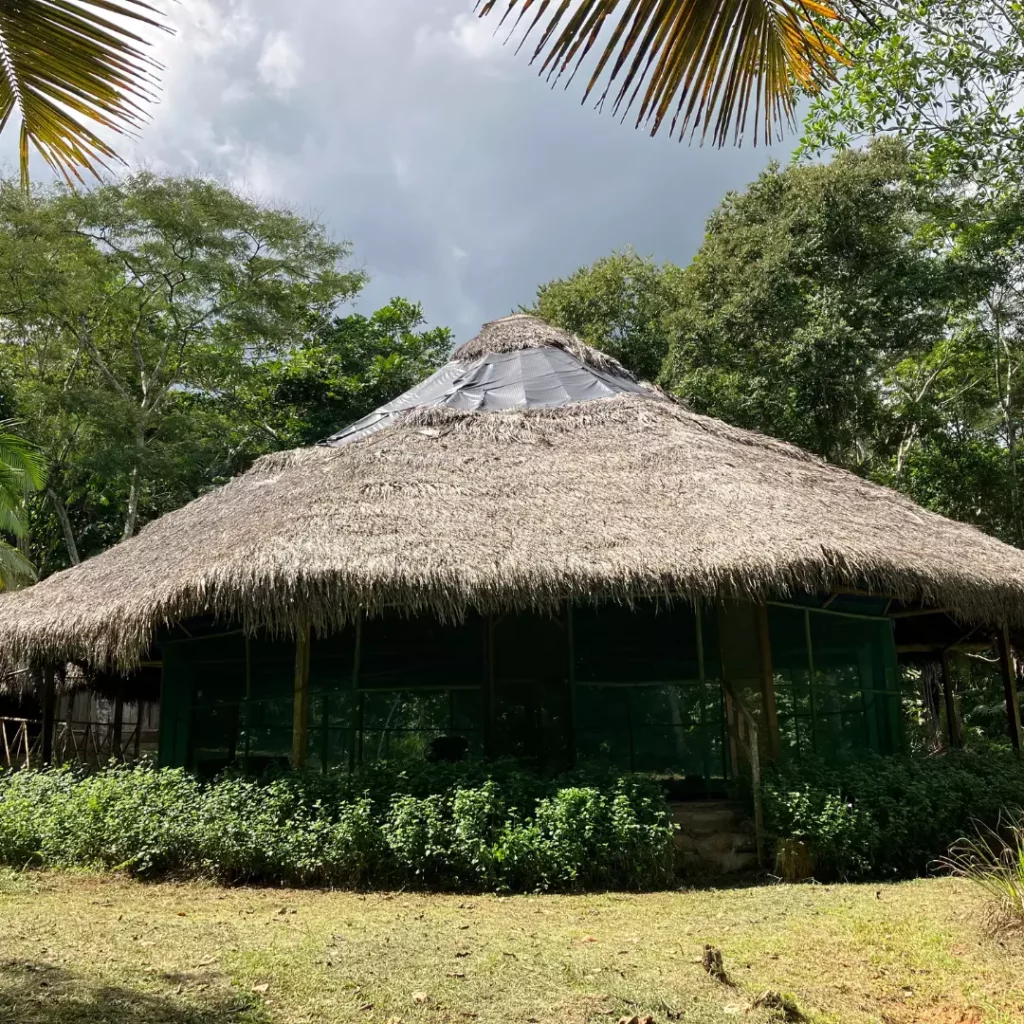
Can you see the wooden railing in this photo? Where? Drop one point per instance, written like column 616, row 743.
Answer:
column 744, row 746
column 94, row 743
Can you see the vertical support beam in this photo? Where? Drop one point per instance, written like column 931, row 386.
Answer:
column 118, row 727
column 300, row 699
column 771, row 713
column 49, row 702
column 489, row 685
column 1009, row 688
column 571, row 645
column 140, row 716
column 952, row 721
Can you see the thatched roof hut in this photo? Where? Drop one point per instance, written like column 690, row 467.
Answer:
column 528, row 472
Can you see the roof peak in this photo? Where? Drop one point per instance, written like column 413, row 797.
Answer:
column 518, row 362
column 520, row 331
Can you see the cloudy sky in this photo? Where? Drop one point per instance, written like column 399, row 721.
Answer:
column 462, row 180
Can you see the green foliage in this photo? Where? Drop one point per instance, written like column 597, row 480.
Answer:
column 500, row 829
column 22, row 472
column 944, row 75
column 890, row 817
column 158, row 333
column 348, row 368
column 809, row 287
column 618, row 304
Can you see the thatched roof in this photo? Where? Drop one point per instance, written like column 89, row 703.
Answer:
column 444, row 509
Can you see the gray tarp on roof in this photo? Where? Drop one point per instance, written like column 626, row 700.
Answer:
column 532, row 378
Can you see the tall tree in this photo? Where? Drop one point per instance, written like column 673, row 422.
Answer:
column 127, row 310
column 703, row 65
column 809, row 287
column 70, row 70
column 348, row 368
column 617, row 304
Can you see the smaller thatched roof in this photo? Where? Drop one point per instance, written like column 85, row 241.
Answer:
column 445, row 508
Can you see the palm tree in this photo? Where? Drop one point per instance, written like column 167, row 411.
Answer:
column 69, row 68
column 705, row 63
column 21, row 472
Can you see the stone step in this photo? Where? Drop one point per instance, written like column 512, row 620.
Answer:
column 713, row 837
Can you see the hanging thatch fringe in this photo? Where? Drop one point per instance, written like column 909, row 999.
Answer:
column 614, row 499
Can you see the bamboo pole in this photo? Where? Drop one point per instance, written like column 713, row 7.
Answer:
column 49, row 698
column 771, row 714
column 300, row 701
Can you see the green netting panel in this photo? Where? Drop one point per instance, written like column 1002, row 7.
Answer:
column 271, row 667
column 645, row 643
column 643, row 696
column 835, row 683
column 791, row 667
column 531, row 703
column 740, row 647
column 856, row 695
column 398, row 652
column 332, row 661
column 204, row 682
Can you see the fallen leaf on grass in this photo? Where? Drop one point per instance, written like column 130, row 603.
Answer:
column 419, row 998
column 262, row 988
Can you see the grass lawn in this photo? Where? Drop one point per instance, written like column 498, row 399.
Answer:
column 83, row 949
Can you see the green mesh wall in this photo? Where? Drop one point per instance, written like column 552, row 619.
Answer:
column 638, row 688
column 646, row 689
column 835, row 683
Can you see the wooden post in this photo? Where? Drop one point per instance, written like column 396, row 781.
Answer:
column 1010, row 688
column 771, row 713
column 952, row 722
column 118, row 727
column 49, row 700
column 140, row 709
column 300, row 702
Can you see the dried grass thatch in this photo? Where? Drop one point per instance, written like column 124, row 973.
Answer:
column 617, row 498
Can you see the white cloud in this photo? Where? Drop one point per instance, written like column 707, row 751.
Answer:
column 414, row 130
column 280, row 62
column 466, row 35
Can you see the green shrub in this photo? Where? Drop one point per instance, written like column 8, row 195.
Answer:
column 890, row 817
column 451, row 827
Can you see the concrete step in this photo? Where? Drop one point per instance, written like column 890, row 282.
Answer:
column 713, row 837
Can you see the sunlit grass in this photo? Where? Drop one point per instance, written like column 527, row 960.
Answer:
column 86, row 949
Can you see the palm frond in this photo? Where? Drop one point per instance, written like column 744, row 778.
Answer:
column 22, row 471
column 70, row 68
column 15, row 568
column 705, row 63
column 21, row 458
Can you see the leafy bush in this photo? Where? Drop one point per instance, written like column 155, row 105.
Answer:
column 465, row 827
column 890, row 817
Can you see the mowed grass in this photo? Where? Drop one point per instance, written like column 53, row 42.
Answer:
column 84, row 949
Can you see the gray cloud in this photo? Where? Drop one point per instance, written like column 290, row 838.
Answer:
column 461, row 178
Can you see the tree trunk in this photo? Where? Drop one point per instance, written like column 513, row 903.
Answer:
column 931, row 679
column 65, row 525
column 132, row 516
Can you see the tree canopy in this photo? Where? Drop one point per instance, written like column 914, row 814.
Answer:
column 158, row 333
column 824, row 307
